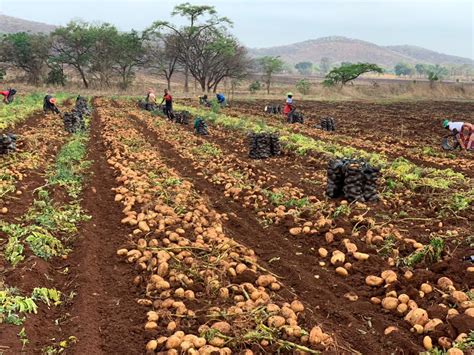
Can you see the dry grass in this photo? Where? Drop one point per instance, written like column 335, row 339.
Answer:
column 378, row 90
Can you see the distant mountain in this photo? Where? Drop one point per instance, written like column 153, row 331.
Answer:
column 343, row 49
column 425, row 55
column 10, row 24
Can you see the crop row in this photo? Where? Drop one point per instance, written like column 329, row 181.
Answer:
column 206, row 292
column 240, row 182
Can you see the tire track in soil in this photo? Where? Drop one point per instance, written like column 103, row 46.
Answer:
column 323, row 296
column 104, row 316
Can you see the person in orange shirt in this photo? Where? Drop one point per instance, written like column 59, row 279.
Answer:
column 49, row 104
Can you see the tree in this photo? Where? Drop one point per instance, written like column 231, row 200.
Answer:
column 130, row 54
column 325, row 65
column 105, row 51
column 346, row 73
column 420, row 69
column 215, row 55
column 73, row 45
column 304, row 68
column 403, row 69
column 2, row 74
column 303, row 86
column 255, row 86
column 27, row 52
column 270, row 66
column 56, row 75
column 161, row 53
column 189, row 34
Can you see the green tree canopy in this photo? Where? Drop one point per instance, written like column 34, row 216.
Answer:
column 270, row 66
column 403, row 69
column 346, row 73
column 304, row 68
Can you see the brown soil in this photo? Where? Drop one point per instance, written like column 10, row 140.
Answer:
column 320, row 289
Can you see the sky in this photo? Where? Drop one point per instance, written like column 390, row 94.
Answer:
column 442, row 25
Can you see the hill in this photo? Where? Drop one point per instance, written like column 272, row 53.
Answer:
column 9, row 24
column 342, row 49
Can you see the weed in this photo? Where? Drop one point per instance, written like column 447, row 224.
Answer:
column 342, row 210
column 430, row 253
column 208, row 150
column 387, row 247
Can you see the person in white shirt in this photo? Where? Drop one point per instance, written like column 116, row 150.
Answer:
column 464, row 133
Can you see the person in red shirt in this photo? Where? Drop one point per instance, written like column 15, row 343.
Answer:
column 168, row 100
column 8, row 95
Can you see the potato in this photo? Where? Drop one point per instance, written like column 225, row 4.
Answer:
column 426, row 288
column 171, row 327
column 418, row 329
column 297, row 306
column 317, row 336
column 151, row 345
column 351, row 296
column 432, row 324
column 408, row 274
column 338, row 257
column 373, row 280
column 375, row 300
column 390, row 303
column 272, row 308
column 469, row 312
column 276, row 321
column 152, row 316
column 341, row 271
column 445, row 283
column 389, row 276
column 402, row 308
column 455, row 351
column 173, row 342
column 427, row 343
column 186, row 345
column 403, row 298
column 361, row 256
column 322, row 252
column 217, row 341
column 390, row 329
column 151, row 325
column 122, row 252
column 143, row 226
column 222, row 327
column 288, row 313
column 445, row 342
column 199, row 342
column 265, row 280
column 459, row 296
column 296, row 230
column 240, row 268
column 417, row 316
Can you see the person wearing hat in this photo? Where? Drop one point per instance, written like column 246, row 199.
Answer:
column 49, row 104
column 289, row 105
column 464, row 133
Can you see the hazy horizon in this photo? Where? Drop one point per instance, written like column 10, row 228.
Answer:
column 443, row 26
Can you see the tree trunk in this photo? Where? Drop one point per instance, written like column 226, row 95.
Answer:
column 83, row 77
column 268, row 86
column 186, row 79
column 168, row 80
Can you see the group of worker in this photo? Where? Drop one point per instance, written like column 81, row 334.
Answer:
column 464, row 131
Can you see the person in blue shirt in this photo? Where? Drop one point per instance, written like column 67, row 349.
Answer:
column 220, row 99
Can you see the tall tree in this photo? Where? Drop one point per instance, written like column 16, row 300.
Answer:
column 270, row 66
column 304, row 68
column 162, row 53
column 190, row 33
column 403, row 69
column 27, row 52
column 349, row 72
column 73, row 45
column 130, row 54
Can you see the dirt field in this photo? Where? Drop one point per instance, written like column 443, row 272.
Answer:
column 191, row 247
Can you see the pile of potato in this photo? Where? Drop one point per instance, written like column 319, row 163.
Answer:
column 194, row 277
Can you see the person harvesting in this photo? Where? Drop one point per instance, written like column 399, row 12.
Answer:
column 168, row 100
column 464, row 132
